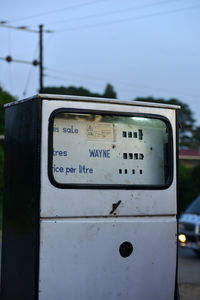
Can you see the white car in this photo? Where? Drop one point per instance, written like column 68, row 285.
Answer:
column 189, row 227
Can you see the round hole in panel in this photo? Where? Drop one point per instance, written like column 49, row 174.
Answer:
column 125, row 249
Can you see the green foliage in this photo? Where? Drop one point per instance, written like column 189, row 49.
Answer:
column 109, row 92
column 1, row 180
column 188, row 132
column 4, row 99
column 184, row 187
column 71, row 90
column 189, row 187
column 195, row 179
column 196, row 137
column 189, row 137
column 80, row 91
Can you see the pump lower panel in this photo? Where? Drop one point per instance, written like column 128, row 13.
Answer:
column 107, row 258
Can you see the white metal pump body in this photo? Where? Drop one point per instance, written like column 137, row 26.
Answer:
column 79, row 236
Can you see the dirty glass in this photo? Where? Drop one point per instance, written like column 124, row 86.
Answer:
column 98, row 149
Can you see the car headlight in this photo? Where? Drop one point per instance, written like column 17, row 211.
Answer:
column 182, row 238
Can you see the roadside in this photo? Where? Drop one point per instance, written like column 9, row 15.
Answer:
column 189, row 275
column 189, row 291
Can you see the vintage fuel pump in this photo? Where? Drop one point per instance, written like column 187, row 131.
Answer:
column 90, row 201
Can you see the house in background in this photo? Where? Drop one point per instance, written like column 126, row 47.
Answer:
column 189, row 158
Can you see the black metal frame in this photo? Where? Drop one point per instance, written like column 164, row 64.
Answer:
column 107, row 186
column 21, row 206
column 176, row 289
column 21, row 203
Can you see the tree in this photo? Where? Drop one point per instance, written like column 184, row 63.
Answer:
column 1, row 180
column 189, row 133
column 5, row 98
column 109, row 92
column 185, row 190
column 196, row 138
column 186, row 121
column 71, row 90
column 188, row 187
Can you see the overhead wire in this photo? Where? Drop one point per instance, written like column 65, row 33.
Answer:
column 9, row 65
column 68, row 81
column 113, row 12
column 74, row 74
column 56, row 10
column 108, row 13
column 30, row 72
column 117, row 21
column 128, row 19
column 135, row 18
column 128, row 85
column 9, row 42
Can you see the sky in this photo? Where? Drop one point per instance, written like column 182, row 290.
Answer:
column 142, row 47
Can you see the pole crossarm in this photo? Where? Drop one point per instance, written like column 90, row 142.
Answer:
column 25, row 28
column 18, row 28
column 9, row 59
column 38, row 62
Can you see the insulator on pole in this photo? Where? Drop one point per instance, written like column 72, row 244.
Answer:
column 35, row 62
column 8, row 58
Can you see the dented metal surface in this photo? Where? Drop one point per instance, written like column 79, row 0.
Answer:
column 77, row 202
column 114, row 207
column 110, row 243
column 97, row 217
column 80, row 259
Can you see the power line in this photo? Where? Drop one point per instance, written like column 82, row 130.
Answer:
column 74, row 74
column 10, row 79
column 2, row 24
column 113, row 12
column 29, row 74
column 57, row 10
column 129, row 19
column 35, row 62
column 129, row 87
column 25, row 28
column 124, row 84
column 74, row 82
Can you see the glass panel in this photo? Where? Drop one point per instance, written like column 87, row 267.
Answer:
column 194, row 207
column 110, row 150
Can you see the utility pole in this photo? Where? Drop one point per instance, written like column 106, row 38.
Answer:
column 41, row 57
column 35, row 62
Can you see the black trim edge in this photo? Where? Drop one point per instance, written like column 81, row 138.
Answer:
column 176, row 289
column 109, row 186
